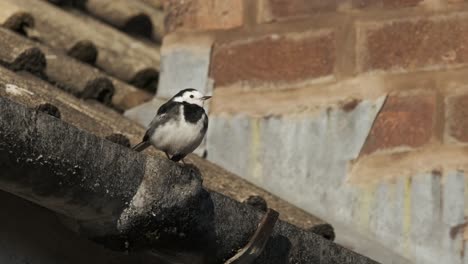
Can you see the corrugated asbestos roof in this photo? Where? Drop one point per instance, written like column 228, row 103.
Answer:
column 85, row 62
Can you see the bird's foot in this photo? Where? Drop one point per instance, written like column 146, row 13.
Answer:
column 178, row 157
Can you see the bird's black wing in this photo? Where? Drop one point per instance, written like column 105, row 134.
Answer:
column 168, row 111
column 167, row 106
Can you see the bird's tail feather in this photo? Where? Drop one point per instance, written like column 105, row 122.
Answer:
column 141, row 146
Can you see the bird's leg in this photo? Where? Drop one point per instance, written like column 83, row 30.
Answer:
column 178, row 157
column 167, row 155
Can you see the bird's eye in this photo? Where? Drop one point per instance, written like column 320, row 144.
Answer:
column 191, row 96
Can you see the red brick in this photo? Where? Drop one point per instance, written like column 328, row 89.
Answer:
column 203, row 14
column 403, row 121
column 457, row 117
column 274, row 59
column 178, row 14
column 415, row 45
column 280, row 9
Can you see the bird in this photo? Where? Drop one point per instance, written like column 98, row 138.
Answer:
column 179, row 125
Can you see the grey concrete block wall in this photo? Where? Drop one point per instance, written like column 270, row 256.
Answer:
column 454, row 198
column 185, row 64
column 236, row 145
column 304, row 159
column 295, row 157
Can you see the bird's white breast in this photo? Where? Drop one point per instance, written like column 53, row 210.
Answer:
column 178, row 136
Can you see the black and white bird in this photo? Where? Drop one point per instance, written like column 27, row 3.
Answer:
column 179, row 125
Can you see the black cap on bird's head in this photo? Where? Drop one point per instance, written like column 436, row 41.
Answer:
column 191, row 96
column 181, row 92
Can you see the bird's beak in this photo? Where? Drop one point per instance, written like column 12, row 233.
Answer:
column 205, row 98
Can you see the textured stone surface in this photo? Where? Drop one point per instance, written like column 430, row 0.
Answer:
column 415, row 44
column 453, row 203
column 179, row 14
column 425, row 197
column 280, row 9
column 275, row 58
column 231, row 154
column 400, row 3
column 457, row 117
column 403, row 122
column 386, row 3
column 257, row 202
column 428, row 198
column 204, row 14
column 119, row 139
column 49, row 109
column 220, row 14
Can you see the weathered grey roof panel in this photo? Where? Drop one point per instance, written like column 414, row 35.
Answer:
column 127, row 200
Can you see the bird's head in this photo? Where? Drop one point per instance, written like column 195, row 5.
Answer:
column 190, row 96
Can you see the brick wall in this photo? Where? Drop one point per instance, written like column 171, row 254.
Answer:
column 383, row 82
